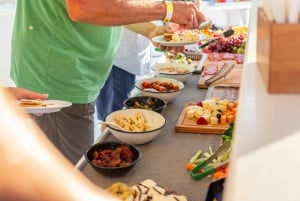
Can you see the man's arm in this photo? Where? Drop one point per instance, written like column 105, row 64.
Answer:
column 148, row 29
column 122, row 12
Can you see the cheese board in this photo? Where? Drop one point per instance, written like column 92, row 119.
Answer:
column 188, row 125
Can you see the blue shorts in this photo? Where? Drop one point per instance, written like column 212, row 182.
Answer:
column 115, row 91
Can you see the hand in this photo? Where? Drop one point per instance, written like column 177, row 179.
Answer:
column 187, row 14
column 21, row 93
column 159, row 30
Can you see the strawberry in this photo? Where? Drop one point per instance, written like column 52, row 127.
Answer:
column 200, row 104
column 202, row 121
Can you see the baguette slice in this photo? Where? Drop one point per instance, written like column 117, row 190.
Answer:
column 168, row 36
column 31, row 103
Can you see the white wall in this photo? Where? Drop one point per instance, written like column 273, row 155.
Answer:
column 227, row 14
column 6, row 23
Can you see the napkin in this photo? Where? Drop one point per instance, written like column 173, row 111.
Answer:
column 282, row 11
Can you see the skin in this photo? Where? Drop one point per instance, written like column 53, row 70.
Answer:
column 21, row 93
column 121, row 12
column 31, row 168
column 150, row 30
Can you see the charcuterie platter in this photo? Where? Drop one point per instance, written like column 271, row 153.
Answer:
column 230, row 75
column 187, row 125
column 211, row 116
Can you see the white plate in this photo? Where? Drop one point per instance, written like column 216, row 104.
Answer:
column 51, row 106
column 160, row 39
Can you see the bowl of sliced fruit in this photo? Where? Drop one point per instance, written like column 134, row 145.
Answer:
column 164, row 88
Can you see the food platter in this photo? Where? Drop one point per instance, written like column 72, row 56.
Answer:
column 187, row 125
column 160, row 39
column 233, row 78
column 198, row 64
column 47, row 106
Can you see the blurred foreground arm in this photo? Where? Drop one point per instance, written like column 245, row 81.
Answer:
column 31, row 169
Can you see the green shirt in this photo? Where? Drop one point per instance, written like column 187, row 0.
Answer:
column 52, row 54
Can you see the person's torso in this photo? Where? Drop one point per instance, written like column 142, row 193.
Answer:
column 51, row 54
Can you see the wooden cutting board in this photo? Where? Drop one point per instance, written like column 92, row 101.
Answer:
column 223, row 92
column 186, row 125
column 232, row 79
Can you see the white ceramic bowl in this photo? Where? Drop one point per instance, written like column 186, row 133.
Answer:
column 155, row 120
column 173, row 70
column 167, row 96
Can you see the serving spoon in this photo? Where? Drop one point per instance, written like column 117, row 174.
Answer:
column 109, row 123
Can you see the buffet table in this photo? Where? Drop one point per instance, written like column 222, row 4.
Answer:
column 163, row 159
column 264, row 163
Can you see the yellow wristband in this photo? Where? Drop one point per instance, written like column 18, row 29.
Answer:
column 169, row 13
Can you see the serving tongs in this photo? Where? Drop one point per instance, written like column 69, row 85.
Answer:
column 206, row 167
column 225, row 34
column 222, row 73
column 205, row 24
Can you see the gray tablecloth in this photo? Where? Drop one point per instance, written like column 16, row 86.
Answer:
column 164, row 158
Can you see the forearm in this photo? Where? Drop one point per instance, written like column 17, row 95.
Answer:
column 115, row 12
column 122, row 12
column 144, row 29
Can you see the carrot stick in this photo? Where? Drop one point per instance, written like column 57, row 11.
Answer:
column 189, row 166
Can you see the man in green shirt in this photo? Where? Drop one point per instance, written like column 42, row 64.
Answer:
column 65, row 48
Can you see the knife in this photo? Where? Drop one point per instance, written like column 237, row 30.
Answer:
column 226, row 68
